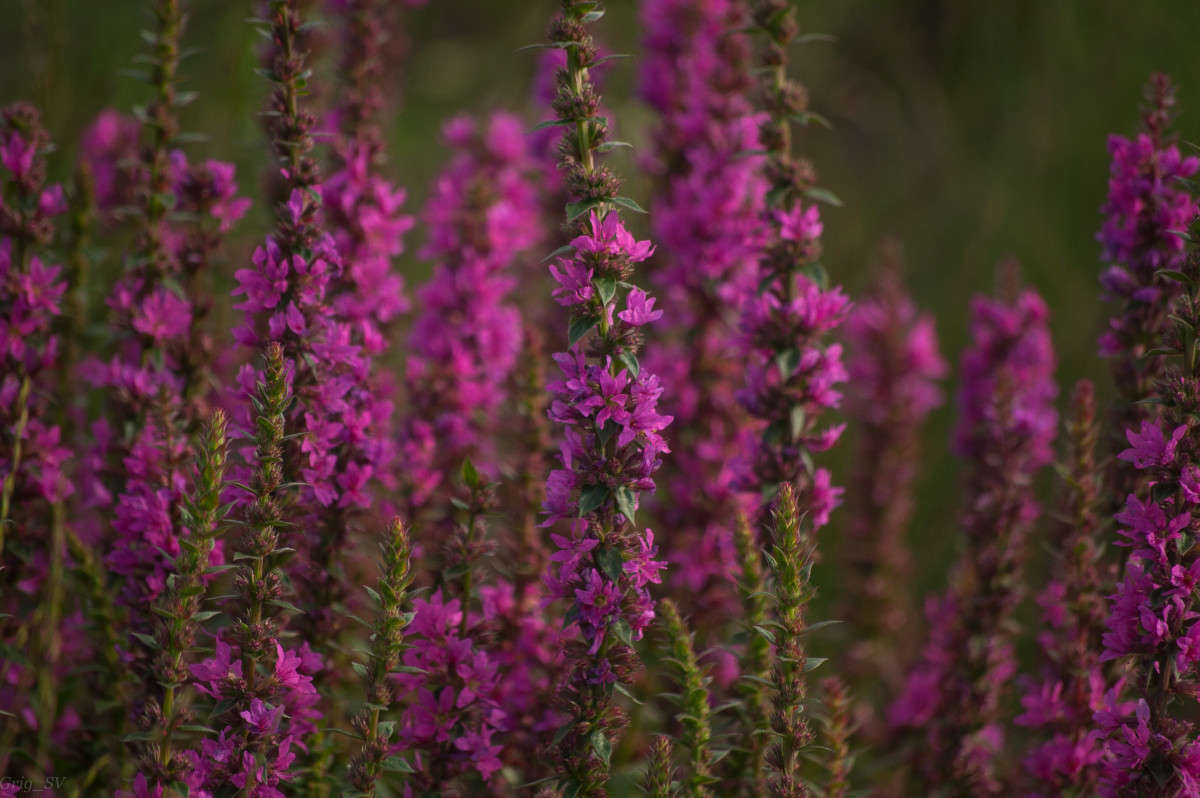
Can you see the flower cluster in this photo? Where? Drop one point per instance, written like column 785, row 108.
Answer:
column 1061, row 698
column 1151, row 624
column 894, row 366
column 464, row 344
column 34, row 458
column 706, row 219
column 1148, row 206
column 607, row 404
column 1006, row 426
column 792, row 373
column 454, row 712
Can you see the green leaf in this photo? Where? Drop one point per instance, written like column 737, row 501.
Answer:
column 626, row 202
column 373, row 593
column 611, row 57
column 630, row 361
column 563, row 250
column 553, row 123
column 812, row 663
column 470, row 475
column 611, row 562
column 593, row 16
column 591, row 498
column 796, row 419
column 386, row 729
column 577, row 209
column 622, row 631
column 627, row 503
column 623, row 690
column 804, row 117
column 816, row 272
column 359, row 668
column 612, row 145
column 397, row 764
column 286, row 605
column 606, row 288
column 204, row 615
column 147, row 640
column 602, row 746
column 818, row 194
column 786, row 361
column 580, row 327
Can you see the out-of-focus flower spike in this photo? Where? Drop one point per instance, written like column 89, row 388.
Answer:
column 693, row 703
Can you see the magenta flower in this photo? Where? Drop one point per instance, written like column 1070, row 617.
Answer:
column 954, row 695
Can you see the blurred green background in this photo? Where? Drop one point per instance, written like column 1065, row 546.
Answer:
column 969, row 131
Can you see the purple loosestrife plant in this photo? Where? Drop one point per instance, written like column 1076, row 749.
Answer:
column 1147, row 207
column 464, row 344
column 894, row 366
column 1070, row 685
column 363, row 213
column 33, row 481
column 793, row 373
column 607, row 404
column 157, row 372
column 372, row 760
column 1151, row 746
column 707, row 220
column 953, row 697
column 264, row 693
column 162, row 764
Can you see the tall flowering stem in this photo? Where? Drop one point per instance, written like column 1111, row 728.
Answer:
column 1148, row 206
column 386, row 648
column 793, row 372
column 32, row 456
column 838, row 731
column 179, row 613
column 894, row 365
column 465, row 341
column 264, row 693
column 1069, row 686
column 363, row 213
column 1151, row 747
column 33, row 485
column 955, row 694
column 707, row 219
column 607, row 404
column 161, row 353
column 694, row 699
column 746, row 769
column 792, row 557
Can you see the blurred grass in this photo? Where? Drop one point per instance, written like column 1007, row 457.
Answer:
column 968, row 131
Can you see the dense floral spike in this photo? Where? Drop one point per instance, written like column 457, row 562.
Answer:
column 894, row 365
column 1147, row 207
column 32, row 456
column 264, row 692
column 792, row 557
column 36, row 641
column 179, row 614
column 607, row 404
column 384, row 657
column 161, row 353
column 659, row 781
column 464, row 344
column 363, row 214
column 454, row 721
column 793, row 373
column 707, row 220
column 1069, row 687
column 1151, row 746
column 696, row 736
column 746, row 766
column 837, row 733
column 954, row 695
